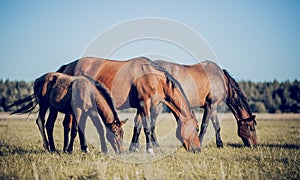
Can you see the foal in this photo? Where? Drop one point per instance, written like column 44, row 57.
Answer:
column 80, row 97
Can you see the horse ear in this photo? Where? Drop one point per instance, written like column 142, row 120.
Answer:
column 124, row 121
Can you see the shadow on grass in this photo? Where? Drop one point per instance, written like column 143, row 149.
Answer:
column 285, row 146
column 236, row 145
column 8, row 149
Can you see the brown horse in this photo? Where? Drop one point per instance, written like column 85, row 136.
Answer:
column 79, row 96
column 138, row 83
column 207, row 85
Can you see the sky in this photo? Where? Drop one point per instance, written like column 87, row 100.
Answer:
column 254, row 40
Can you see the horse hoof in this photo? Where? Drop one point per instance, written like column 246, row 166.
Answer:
column 69, row 151
column 52, row 151
column 46, row 147
column 220, row 144
column 104, row 152
column 151, row 151
column 197, row 150
column 85, row 150
column 133, row 148
column 156, row 145
column 194, row 150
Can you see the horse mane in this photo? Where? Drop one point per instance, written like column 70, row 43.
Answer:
column 105, row 93
column 236, row 95
column 63, row 67
column 170, row 79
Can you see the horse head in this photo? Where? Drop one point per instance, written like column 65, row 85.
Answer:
column 189, row 135
column 247, row 131
column 115, row 135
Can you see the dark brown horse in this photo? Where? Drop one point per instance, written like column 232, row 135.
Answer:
column 79, row 96
column 138, row 83
column 207, row 85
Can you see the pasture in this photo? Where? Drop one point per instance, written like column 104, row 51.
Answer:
column 277, row 157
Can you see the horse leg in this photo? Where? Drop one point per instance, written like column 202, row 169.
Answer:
column 136, row 133
column 79, row 124
column 216, row 124
column 154, row 113
column 81, row 128
column 41, row 125
column 49, row 126
column 204, row 123
column 67, row 124
column 146, row 121
column 74, row 129
column 147, row 130
column 100, row 130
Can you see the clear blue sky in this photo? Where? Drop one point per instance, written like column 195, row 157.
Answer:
column 254, row 40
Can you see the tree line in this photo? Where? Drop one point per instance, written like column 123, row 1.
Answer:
column 271, row 97
column 13, row 90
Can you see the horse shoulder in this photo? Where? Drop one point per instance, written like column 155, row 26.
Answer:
column 82, row 93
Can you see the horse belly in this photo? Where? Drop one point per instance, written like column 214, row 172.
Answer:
column 61, row 106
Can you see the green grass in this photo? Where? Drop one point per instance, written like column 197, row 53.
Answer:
column 277, row 157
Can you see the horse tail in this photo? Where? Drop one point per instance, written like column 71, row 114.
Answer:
column 29, row 101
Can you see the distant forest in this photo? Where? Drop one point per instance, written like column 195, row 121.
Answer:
column 272, row 97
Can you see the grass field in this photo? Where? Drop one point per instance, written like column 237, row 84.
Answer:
column 277, row 157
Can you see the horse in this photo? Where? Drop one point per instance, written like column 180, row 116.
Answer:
column 138, row 83
column 206, row 86
column 79, row 96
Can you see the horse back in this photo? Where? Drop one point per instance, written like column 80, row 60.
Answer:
column 54, row 89
column 213, row 75
column 117, row 76
column 202, row 82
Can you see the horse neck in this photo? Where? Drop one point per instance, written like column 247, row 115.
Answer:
column 236, row 100
column 177, row 102
column 105, row 105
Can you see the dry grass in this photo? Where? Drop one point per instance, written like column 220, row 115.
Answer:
column 277, row 157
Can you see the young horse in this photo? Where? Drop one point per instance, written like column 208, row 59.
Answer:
column 78, row 96
column 138, row 83
column 207, row 85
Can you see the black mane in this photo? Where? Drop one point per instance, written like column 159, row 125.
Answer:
column 105, row 93
column 170, row 79
column 236, row 95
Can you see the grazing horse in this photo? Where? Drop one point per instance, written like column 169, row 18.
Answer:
column 207, row 85
column 79, row 96
column 138, row 83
